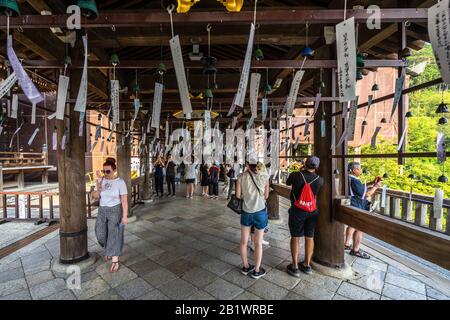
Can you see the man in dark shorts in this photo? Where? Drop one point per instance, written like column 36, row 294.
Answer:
column 303, row 223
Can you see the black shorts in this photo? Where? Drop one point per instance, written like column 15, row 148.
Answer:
column 302, row 224
column 190, row 180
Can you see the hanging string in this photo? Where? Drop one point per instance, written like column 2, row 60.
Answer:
column 254, row 13
column 7, row 26
column 345, row 10
column 170, row 9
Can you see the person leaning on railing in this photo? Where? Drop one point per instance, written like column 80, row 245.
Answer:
column 359, row 199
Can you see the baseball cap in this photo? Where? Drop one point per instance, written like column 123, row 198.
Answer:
column 312, row 162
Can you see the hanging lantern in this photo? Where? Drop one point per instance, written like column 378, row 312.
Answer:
column 136, row 87
column 359, row 75
column 385, row 175
column 375, row 87
column 364, row 123
column 185, row 5
column 209, row 65
column 442, row 108
column 208, row 94
column 307, row 52
column 383, row 120
column 412, row 176
column 114, row 60
column 9, row 8
column 442, row 121
column 365, row 171
column 232, row 5
column 258, row 54
column 308, row 114
column 405, row 53
column 360, row 60
column 321, row 84
column 68, row 60
column 267, row 88
column 162, row 68
column 443, row 178
column 408, row 114
column 88, row 8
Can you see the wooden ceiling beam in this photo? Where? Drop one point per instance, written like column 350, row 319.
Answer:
column 275, row 17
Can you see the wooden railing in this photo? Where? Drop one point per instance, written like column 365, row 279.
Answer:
column 418, row 239
column 23, row 159
column 416, row 209
column 39, row 207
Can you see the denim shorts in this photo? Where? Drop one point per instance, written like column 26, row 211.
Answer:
column 259, row 219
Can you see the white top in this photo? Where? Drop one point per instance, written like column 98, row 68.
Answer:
column 191, row 171
column 111, row 192
column 253, row 199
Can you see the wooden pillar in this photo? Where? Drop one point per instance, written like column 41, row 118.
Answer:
column 402, row 102
column 71, row 179
column 329, row 237
column 273, row 205
column 124, row 162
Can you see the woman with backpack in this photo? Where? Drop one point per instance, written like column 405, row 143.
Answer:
column 303, row 213
column 253, row 188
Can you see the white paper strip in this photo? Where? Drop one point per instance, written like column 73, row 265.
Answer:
column 438, row 30
column 14, row 106
column 30, row 141
column 102, row 146
column 33, row 113
column 63, row 141
column 54, row 140
column 402, row 139
column 440, row 147
column 7, row 84
column 346, row 59
column 167, row 133
column 254, row 90
column 14, row 134
column 264, row 107
column 306, row 129
column 250, row 122
column 1, row 128
column 242, row 89
column 28, row 87
column 80, row 105
column 323, row 128
column 63, row 85
column 341, row 140
column 177, row 57
column 397, row 95
column 115, row 101
column 292, row 98
column 136, row 108
column 317, row 103
column 157, row 100
column 80, row 129
column 93, row 146
column 233, row 125
column 369, row 102
column 351, row 124
column 373, row 141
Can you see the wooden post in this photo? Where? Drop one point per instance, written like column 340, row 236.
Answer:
column 329, row 237
column 124, row 163
column 421, row 214
column 71, row 180
column 273, row 205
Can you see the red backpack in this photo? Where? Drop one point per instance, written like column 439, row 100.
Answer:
column 307, row 200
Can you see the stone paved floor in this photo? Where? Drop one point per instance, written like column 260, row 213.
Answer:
column 188, row 249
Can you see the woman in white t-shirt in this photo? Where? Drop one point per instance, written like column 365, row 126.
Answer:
column 253, row 188
column 112, row 212
column 190, row 177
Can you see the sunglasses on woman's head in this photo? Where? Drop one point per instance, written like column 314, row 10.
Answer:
column 106, row 171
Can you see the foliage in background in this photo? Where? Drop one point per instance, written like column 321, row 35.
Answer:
column 422, row 133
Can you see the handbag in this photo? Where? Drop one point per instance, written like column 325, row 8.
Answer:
column 235, row 204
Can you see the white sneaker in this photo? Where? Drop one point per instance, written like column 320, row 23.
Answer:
column 188, row 196
column 265, row 243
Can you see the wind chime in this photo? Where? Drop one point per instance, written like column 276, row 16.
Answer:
column 209, row 68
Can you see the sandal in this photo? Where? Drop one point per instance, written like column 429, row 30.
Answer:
column 359, row 254
column 347, row 248
column 114, row 266
column 106, row 258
